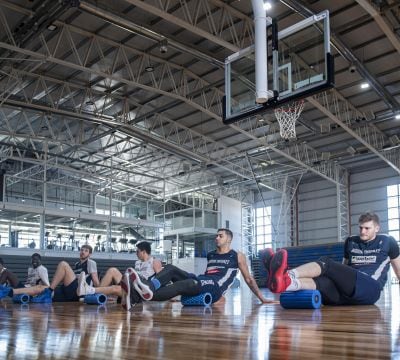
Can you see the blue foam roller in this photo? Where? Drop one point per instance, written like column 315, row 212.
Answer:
column 95, row 299
column 303, row 299
column 21, row 299
column 198, row 300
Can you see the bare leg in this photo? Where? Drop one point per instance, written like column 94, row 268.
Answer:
column 32, row 291
column 309, row 270
column 307, row 284
column 112, row 276
column 109, row 290
column 64, row 274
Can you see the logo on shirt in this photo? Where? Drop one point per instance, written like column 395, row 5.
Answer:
column 363, row 259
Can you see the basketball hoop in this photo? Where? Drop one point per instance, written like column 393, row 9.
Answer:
column 287, row 116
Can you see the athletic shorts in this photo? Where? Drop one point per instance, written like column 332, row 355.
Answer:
column 64, row 293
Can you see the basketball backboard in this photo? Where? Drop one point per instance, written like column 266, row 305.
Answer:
column 300, row 65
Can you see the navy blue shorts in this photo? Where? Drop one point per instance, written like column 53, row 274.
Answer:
column 64, row 293
column 367, row 290
column 209, row 285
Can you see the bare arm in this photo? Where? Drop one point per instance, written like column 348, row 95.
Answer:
column 157, row 266
column 396, row 266
column 250, row 281
column 95, row 279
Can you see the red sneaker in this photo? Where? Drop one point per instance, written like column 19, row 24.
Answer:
column 279, row 278
column 266, row 258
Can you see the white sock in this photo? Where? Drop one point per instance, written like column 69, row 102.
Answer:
column 295, row 284
column 89, row 290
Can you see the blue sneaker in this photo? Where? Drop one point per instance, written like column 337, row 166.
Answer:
column 44, row 297
column 4, row 291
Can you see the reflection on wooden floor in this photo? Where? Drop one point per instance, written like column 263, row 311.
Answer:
column 239, row 329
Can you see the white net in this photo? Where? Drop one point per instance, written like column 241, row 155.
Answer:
column 287, row 116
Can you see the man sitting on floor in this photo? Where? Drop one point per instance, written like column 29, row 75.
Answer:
column 65, row 276
column 7, row 277
column 146, row 265
column 222, row 267
column 358, row 281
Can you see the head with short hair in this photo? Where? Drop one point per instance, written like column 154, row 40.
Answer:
column 227, row 232
column 36, row 260
column 144, row 246
column 369, row 216
column 88, row 247
column 36, row 255
column 368, row 224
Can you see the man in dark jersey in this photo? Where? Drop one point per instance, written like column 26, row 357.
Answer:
column 222, row 267
column 358, row 281
column 67, row 277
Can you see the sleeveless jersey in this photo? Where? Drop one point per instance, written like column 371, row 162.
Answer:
column 371, row 257
column 89, row 266
column 145, row 268
column 222, row 268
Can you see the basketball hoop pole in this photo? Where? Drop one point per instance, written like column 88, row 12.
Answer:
column 260, row 23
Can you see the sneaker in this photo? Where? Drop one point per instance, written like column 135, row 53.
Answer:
column 266, row 258
column 141, row 285
column 4, row 291
column 44, row 297
column 279, row 277
column 83, row 287
column 126, row 292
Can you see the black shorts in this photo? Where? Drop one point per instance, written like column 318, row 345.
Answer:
column 64, row 293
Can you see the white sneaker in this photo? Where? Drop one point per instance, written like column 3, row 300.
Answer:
column 83, row 287
column 126, row 292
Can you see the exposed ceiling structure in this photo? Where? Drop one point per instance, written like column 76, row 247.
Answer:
column 128, row 94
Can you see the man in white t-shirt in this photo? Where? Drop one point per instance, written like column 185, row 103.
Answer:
column 37, row 273
column 146, row 265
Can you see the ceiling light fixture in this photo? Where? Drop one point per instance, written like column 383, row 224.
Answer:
column 267, row 6
column 51, row 27
column 149, row 68
column 364, row 86
column 397, row 117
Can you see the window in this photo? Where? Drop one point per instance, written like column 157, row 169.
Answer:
column 263, row 228
column 393, row 202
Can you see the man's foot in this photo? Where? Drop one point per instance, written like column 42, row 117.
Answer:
column 44, row 297
column 266, row 258
column 83, row 287
column 141, row 285
column 126, row 292
column 279, row 277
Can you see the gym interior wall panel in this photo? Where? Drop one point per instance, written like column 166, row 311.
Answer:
column 369, row 193
column 317, row 215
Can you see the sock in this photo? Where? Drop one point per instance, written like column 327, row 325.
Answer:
column 156, row 283
column 295, row 284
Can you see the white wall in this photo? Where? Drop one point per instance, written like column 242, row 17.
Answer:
column 231, row 212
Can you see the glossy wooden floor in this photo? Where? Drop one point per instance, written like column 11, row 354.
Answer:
column 239, row 329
